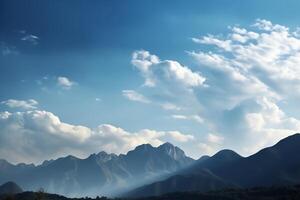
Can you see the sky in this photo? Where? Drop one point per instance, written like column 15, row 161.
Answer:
column 80, row 77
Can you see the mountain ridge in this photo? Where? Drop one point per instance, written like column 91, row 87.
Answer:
column 275, row 165
column 99, row 173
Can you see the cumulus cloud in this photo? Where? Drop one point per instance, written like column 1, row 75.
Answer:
column 252, row 71
column 33, row 136
column 135, row 96
column 237, row 86
column 268, row 58
column 154, row 71
column 164, row 80
column 65, row 82
column 23, row 104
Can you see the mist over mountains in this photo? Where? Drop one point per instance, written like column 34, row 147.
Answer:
column 274, row 166
column 102, row 173
column 152, row 171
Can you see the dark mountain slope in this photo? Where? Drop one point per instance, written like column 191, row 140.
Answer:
column 276, row 165
column 202, row 181
column 10, row 188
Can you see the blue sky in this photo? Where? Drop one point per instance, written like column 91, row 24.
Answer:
column 80, row 77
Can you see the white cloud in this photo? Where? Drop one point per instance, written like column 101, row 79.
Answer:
column 8, row 49
column 248, row 75
column 154, row 70
column 210, row 144
column 33, row 39
column 135, row 96
column 205, row 149
column 23, row 104
column 236, row 87
column 255, row 121
column 269, row 55
column 33, row 136
column 215, row 139
column 169, row 106
column 195, row 118
column 270, row 121
column 179, row 137
column 167, row 83
column 65, row 82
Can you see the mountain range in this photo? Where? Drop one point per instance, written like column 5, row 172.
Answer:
column 99, row 174
column 273, row 166
column 151, row 171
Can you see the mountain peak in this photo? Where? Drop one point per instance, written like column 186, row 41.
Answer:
column 226, row 154
column 5, row 164
column 203, row 158
column 173, row 151
column 102, row 153
column 166, row 146
column 143, row 147
column 3, row 161
column 10, row 188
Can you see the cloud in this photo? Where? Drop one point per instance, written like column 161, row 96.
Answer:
column 167, row 83
column 269, row 57
column 179, row 137
column 252, row 71
column 237, row 85
column 205, row 149
column 8, row 49
column 215, row 139
column 33, row 136
column 65, row 82
column 169, row 106
column 195, row 118
column 271, row 122
column 23, row 104
column 154, row 71
column 210, row 144
column 33, row 39
column 135, row 96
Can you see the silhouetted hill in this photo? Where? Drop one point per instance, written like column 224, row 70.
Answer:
column 10, row 188
column 276, row 165
column 99, row 174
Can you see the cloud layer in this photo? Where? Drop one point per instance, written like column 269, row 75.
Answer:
column 252, row 71
column 239, row 87
column 33, row 136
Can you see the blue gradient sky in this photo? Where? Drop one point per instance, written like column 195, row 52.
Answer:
column 91, row 44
